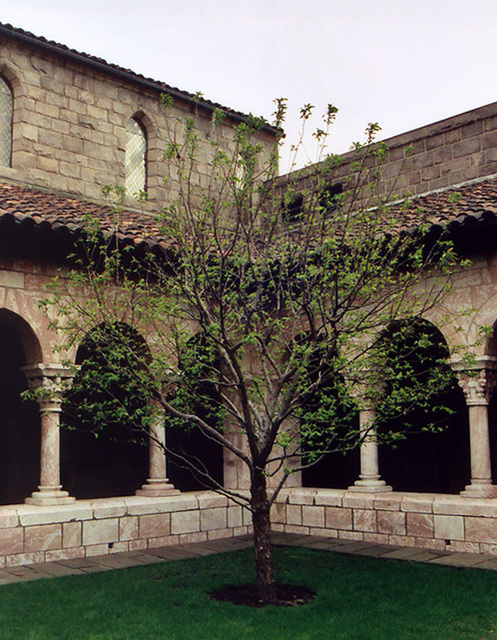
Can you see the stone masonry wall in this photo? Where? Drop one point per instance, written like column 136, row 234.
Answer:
column 31, row 534
column 431, row 521
column 69, row 125
column 446, row 153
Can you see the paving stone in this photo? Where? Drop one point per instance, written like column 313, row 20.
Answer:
column 354, row 547
column 200, row 550
column 171, row 553
column 375, row 552
column 76, row 563
column 428, row 556
column 11, row 580
column 55, row 569
column 147, row 558
column 402, row 553
column 25, row 572
column 97, row 568
column 459, row 560
column 116, row 561
column 326, row 544
column 490, row 563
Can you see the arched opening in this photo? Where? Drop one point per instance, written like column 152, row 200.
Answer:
column 422, row 414
column 329, row 426
column 195, row 459
column 104, row 440
column 136, row 157
column 19, row 418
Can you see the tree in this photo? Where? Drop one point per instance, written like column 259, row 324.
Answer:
column 287, row 285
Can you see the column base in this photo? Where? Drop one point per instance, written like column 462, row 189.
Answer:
column 477, row 490
column 157, row 488
column 50, row 496
column 372, row 485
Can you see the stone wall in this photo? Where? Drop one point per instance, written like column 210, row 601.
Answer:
column 431, row 521
column 446, row 153
column 69, row 124
column 32, row 534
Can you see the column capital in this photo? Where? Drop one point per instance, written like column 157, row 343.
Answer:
column 477, row 384
column 48, row 382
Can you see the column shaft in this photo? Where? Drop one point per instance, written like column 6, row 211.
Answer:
column 369, row 480
column 477, row 388
column 157, row 484
column 48, row 381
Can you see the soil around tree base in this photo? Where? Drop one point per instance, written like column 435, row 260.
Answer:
column 287, row 595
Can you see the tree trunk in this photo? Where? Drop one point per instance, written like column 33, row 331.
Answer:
column 262, row 539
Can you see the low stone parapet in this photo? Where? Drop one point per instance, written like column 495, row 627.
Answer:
column 32, row 534
column 433, row 521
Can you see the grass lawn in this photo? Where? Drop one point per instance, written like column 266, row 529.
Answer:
column 358, row 598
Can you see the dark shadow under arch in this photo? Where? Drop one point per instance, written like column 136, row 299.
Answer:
column 103, row 452
column 187, row 443
column 336, row 429
column 425, row 461
column 19, row 419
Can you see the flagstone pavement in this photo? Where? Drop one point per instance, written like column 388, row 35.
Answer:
column 80, row 566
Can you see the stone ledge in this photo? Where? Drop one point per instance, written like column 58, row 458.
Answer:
column 108, row 508
column 329, row 497
column 138, row 505
column 32, row 515
column 465, row 506
column 301, row 496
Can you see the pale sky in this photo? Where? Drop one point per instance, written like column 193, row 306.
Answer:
column 402, row 63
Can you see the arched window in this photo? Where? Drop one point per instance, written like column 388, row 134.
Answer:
column 6, row 105
column 136, row 157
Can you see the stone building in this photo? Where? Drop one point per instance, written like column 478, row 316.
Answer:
column 70, row 124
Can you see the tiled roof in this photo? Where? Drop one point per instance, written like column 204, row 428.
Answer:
column 7, row 30
column 23, row 204
column 454, row 206
column 471, row 206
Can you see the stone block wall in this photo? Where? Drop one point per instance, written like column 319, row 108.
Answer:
column 69, row 124
column 439, row 155
column 431, row 521
column 32, row 534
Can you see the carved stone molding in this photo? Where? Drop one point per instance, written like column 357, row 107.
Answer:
column 477, row 385
column 48, row 382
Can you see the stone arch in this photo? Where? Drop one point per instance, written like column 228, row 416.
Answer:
column 424, row 461
column 104, row 452
column 186, row 443
column 19, row 419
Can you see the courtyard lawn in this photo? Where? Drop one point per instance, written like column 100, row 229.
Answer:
column 357, row 598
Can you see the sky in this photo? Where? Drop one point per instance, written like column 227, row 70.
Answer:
column 401, row 63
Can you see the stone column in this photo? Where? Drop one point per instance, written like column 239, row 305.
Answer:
column 369, row 480
column 48, row 381
column 157, row 484
column 477, row 387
